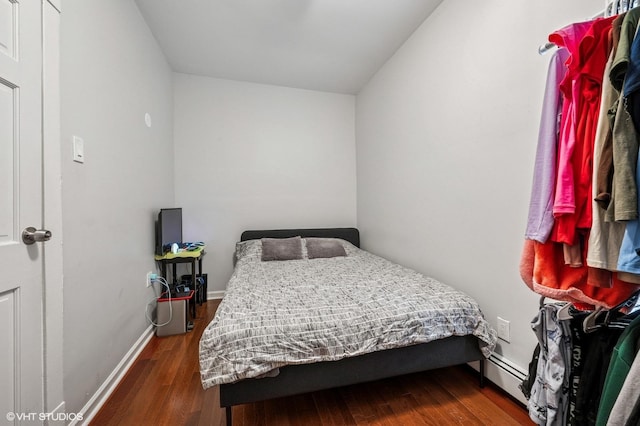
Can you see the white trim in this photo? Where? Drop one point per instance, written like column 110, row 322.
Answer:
column 52, row 294
column 504, row 374
column 57, row 4
column 211, row 295
column 57, row 413
column 98, row 399
column 508, row 366
column 506, row 380
column 59, row 408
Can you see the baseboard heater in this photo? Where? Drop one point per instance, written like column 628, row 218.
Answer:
column 508, row 367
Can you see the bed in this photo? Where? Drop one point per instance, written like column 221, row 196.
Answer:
column 295, row 326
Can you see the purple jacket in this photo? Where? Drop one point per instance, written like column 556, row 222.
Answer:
column 540, row 220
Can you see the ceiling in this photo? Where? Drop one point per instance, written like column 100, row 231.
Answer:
column 326, row 45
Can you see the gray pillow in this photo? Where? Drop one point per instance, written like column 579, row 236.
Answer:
column 323, row 247
column 281, row 248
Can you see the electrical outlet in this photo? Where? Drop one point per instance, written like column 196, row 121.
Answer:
column 503, row 330
column 150, row 277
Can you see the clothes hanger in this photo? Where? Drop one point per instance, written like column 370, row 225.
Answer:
column 563, row 313
column 628, row 306
column 590, row 322
column 617, row 317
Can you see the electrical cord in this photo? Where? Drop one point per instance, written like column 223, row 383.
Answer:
column 162, row 281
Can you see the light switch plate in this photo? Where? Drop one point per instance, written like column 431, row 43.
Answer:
column 503, row 330
column 78, row 149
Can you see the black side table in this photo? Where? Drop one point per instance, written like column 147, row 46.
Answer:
column 193, row 257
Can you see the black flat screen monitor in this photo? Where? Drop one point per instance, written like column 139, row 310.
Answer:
column 168, row 229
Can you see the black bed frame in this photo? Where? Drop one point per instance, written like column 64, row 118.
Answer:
column 297, row 379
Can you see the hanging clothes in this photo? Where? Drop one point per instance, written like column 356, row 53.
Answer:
column 597, row 351
column 551, row 277
column 580, row 363
column 540, row 220
column 629, row 258
column 578, row 351
column 580, row 260
column 587, row 43
column 588, row 367
column 603, row 174
column 623, row 409
column 548, row 403
column 605, row 237
column 624, row 191
column 623, row 356
column 631, row 84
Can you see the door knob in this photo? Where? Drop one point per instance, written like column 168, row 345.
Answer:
column 31, row 235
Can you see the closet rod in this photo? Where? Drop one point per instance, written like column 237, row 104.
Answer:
column 612, row 8
column 544, row 48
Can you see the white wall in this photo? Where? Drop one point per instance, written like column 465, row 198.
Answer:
column 446, row 136
column 252, row 156
column 112, row 73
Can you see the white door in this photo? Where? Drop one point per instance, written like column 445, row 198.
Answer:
column 21, row 265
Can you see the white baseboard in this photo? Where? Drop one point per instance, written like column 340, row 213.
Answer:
column 58, row 416
column 59, row 408
column 506, row 375
column 98, row 399
column 211, row 295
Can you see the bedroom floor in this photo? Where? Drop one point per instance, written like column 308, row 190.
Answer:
column 163, row 388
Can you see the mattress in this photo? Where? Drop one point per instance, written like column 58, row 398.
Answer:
column 277, row 313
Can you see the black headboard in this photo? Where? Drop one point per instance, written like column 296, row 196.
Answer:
column 349, row 234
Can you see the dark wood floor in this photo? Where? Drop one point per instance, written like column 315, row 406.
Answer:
column 163, row 388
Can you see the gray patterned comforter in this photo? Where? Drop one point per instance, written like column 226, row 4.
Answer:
column 303, row 311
